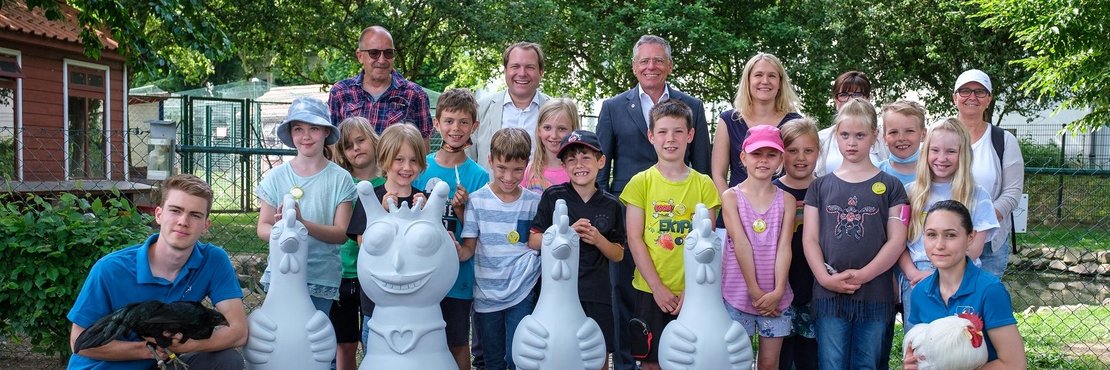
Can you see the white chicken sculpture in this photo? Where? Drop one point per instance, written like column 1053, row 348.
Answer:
column 703, row 336
column 948, row 343
column 287, row 332
column 558, row 335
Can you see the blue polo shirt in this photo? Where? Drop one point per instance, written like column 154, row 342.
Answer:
column 979, row 293
column 123, row 277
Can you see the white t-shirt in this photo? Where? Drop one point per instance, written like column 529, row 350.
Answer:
column 831, row 158
column 984, row 164
column 982, row 216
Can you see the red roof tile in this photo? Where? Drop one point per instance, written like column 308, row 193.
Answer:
column 15, row 16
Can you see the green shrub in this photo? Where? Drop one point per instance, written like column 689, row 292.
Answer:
column 1040, row 155
column 46, row 250
column 7, row 157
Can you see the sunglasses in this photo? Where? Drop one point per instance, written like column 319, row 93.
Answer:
column 375, row 53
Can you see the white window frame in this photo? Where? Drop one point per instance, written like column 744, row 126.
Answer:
column 18, row 126
column 107, row 114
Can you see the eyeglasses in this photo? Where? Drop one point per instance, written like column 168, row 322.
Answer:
column 979, row 93
column 844, row 96
column 375, row 53
column 646, row 61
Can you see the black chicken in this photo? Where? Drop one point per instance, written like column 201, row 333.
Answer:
column 153, row 319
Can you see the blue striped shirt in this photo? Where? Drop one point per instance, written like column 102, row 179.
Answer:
column 505, row 269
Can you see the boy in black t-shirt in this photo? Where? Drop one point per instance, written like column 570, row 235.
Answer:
column 597, row 217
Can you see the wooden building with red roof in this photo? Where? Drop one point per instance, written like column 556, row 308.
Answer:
column 62, row 114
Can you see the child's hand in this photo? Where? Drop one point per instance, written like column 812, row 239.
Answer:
column 421, row 198
column 460, row 198
column 587, row 232
column 681, row 300
column 458, row 246
column 755, row 295
column 909, row 361
column 916, row 276
column 296, row 207
column 768, row 305
column 667, row 301
column 857, row 278
column 839, row 282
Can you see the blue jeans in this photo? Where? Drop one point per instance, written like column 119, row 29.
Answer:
column 497, row 329
column 365, row 331
column 846, row 344
column 995, row 262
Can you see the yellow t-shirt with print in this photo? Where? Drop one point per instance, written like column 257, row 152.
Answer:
column 668, row 212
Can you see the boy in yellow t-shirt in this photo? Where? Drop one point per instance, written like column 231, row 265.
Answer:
column 660, row 207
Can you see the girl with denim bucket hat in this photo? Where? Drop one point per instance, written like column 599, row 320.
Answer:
column 324, row 192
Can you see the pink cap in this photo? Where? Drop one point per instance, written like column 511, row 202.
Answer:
column 763, row 136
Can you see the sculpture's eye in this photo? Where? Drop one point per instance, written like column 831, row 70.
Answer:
column 275, row 233
column 378, row 237
column 425, row 237
column 302, row 232
column 691, row 241
column 548, row 236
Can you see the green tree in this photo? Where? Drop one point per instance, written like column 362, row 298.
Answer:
column 155, row 36
column 1066, row 48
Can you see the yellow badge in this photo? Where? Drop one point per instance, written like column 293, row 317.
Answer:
column 296, row 192
column 513, row 237
column 759, row 225
column 878, row 188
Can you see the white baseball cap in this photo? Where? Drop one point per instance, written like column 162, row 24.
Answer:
column 974, row 75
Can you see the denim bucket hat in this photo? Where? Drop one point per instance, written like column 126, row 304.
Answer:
column 311, row 111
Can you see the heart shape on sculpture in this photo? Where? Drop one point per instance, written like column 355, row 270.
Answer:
column 401, row 341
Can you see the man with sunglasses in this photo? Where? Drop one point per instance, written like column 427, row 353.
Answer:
column 379, row 93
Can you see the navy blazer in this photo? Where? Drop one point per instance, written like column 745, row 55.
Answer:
column 623, row 134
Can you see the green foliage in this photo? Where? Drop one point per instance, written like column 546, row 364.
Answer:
column 1066, row 49
column 156, row 36
column 1040, row 155
column 7, row 157
column 46, row 250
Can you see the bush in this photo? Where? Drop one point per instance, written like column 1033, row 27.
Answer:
column 1040, row 155
column 46, row 250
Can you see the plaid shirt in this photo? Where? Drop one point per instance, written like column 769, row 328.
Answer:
column 402, row 101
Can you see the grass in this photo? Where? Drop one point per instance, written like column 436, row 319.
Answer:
column 1077, row 237
column 235, row 232
column 1055, row 338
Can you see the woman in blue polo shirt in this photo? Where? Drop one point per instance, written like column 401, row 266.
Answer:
column 958, row 286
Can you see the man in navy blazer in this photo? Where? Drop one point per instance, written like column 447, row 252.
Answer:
column 622, row 127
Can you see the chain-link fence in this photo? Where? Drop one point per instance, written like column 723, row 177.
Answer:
column 1057, row 278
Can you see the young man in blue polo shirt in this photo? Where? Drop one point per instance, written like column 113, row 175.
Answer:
column 169, row 266
column 597, row 217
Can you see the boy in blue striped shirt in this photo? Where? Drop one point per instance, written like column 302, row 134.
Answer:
column 495, row 233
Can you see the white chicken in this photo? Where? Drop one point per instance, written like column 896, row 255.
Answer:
column 948, row 343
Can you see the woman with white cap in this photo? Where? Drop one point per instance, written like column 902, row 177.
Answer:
column 997, row 163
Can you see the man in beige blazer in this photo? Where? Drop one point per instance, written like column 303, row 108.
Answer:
column 517, row 106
